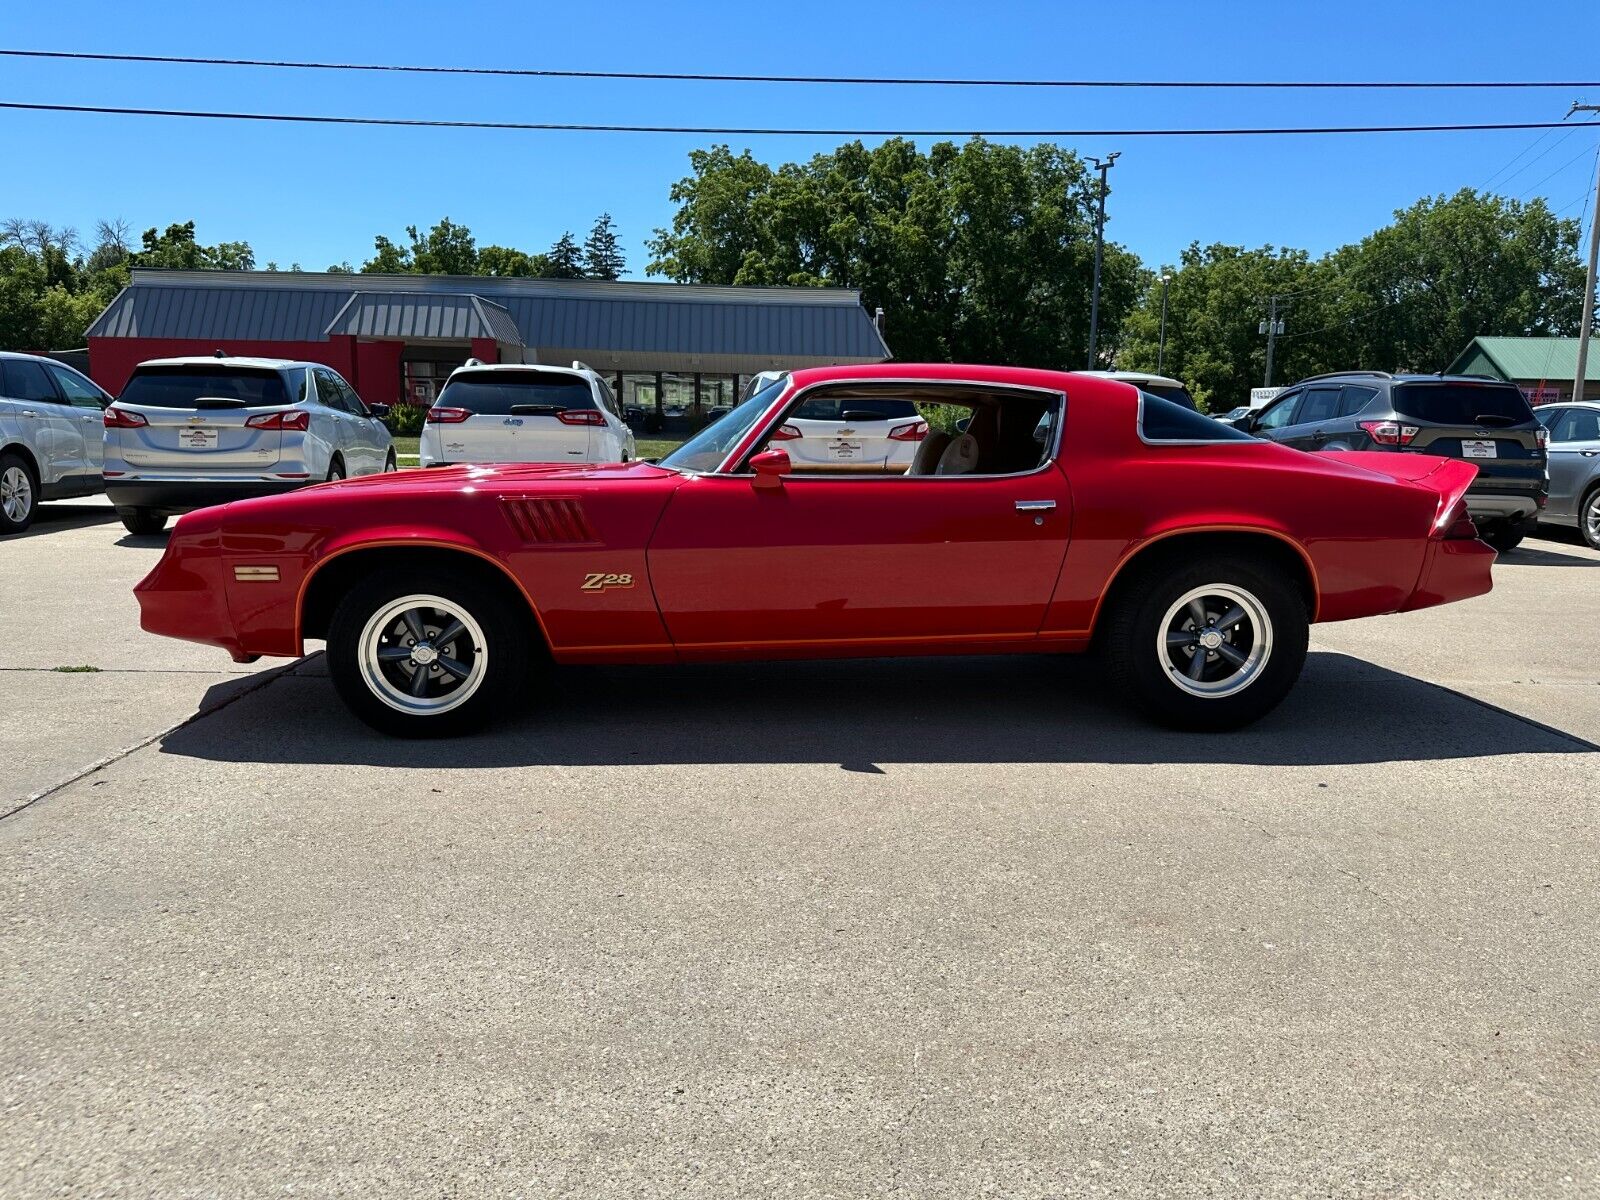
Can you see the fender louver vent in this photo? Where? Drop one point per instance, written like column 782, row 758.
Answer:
column 554, row 521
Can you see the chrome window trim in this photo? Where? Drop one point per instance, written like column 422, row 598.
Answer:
column 1138, row 428
column 783, row 405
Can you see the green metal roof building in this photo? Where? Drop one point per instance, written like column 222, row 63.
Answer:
column 1542, row 367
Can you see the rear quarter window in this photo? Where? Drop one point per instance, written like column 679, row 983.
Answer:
column 1163, row 421
column 496, row 393
column 1462, row 404
column 185, row 387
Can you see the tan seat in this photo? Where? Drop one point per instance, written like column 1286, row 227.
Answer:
column 926, row 459
column 960, row 457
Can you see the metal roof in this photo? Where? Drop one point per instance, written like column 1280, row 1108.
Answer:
column 423, row 316
column 1529, row 359
column 613, row 325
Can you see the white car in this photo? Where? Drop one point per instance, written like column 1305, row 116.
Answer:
column 1157, row 385
column 190, row 432
column 523, row 412
column 49, row 436
column 871, row 435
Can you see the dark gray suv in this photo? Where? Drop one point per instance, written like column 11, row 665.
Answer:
column 1485, row 421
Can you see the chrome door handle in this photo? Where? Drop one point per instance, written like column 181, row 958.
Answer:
column 28, row 412
column 1589, row 453
column 1035, row 505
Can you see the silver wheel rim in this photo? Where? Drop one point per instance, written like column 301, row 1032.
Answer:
column 16, row 494
column 423, row 655
column 1215, row 641
column 1591, row 519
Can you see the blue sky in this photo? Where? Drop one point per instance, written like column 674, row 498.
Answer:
column 318, row 195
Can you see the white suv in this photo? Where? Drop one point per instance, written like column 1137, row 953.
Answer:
column 49, row 436
column 189, row 432
column 521, row 412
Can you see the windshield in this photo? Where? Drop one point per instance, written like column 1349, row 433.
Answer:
column 185, row 387
column 497, row 393
column 706, row 449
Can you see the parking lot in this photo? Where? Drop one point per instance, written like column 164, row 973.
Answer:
column 929, row 928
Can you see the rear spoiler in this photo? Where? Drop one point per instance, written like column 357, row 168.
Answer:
column 1448, row 477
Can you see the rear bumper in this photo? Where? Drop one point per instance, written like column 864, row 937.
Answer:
column 175, row 496
column 1500, row 505
column 1453, row 569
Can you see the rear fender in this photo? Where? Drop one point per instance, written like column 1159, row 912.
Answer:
column 1448, row 478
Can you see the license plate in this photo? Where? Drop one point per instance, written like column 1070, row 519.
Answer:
column 197, row 439
column 1479, row 449
column 845, row 450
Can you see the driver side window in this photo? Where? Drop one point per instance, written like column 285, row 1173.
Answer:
column 1280, row 413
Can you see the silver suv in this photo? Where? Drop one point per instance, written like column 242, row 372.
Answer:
column 49, row 436
column 190, row 432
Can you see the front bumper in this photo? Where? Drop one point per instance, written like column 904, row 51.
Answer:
column 172, row 497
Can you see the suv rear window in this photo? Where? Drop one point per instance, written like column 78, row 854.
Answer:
column 1178, row 395
column 1462, row 404
column 185, row 387
column 495, row 393
column 833, row 408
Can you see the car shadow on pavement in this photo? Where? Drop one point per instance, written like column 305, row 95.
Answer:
column 864, row 712
column 59, row 516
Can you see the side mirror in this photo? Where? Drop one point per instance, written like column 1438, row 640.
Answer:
column 770, row 466
column 380, row 411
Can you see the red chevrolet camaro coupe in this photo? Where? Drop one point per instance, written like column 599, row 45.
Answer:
column 1043, row 512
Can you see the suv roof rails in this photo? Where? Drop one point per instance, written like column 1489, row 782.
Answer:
column 1342, row 374
column 583, row 366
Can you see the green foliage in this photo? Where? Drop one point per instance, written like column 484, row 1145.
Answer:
column 564, row 260
column 976, row 252
column 1410, row 296
column 49, row 291
column 449, row 249
column 405, row 420
column 602, row 254
column 177, row 248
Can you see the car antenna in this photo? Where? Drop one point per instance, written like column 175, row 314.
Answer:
column 219, row 353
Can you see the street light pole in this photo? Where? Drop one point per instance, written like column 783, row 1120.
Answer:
column 1099, row 251
column 1161, row 346
column 1581, row 376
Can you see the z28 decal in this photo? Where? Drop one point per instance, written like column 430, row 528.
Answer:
column 599, row 581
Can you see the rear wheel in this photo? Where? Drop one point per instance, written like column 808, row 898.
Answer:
column 1207, row 645
column 142, row 521
column 19, row 493
column 335, row 469
column 1589, row 518
column 427, row 656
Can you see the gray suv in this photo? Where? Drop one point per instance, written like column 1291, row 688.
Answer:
column 49, row 436
column 190, row 432
column 1485, row 421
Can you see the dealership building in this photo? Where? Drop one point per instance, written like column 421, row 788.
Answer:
column 1545, row 368
column 677, row 349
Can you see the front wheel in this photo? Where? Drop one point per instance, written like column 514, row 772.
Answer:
column 141, row 521
column 390, row 463
column 1207, row 645
column 429, row 656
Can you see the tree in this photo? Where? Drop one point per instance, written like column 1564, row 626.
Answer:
column 507, row 262
column 975, row 251
column 602, row 255
column 446, row 249
column 564, row 260
column 177, row 248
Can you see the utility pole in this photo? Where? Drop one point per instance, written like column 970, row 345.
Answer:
column 1099, row 251
column 1272, row 327
column 1580, row 377
column 1161, row 346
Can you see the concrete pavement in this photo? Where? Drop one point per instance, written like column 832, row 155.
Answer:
column 928, row 928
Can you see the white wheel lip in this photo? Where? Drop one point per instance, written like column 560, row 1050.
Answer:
column 379, row 684
column 16, row 494
column 1244, row 675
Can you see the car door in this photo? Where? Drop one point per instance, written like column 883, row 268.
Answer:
column 855, row 560
column 368, row 438
column 1312, row 422
column 336, row 420
column 88, row 404
column 1272, row 421
column 47, row 423
column 1573, row 454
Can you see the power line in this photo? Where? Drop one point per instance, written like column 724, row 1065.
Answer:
column 753, row 131
column 890, row 80
column 1557, row 171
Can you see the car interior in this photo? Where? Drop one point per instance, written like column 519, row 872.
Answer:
column 971, row 431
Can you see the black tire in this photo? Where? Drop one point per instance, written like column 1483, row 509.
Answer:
column 1150, row 605
column 500, row 663
column 1589, row 522
column 1503, row 538
column 19, row 493
column 335, row 469
column 142, row 521
column 391, row 463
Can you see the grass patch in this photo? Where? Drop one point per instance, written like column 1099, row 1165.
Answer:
column 83, row 670
column 657, row 447
column 406, row 445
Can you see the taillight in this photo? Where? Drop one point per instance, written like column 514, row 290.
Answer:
column 116, row 418
column 1542, row 436
column 295, row 419
column 581, row 416
column 447, row 416
column 913, row 432
column 1390, row 433
column 785, row 433
column 1456, row 524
